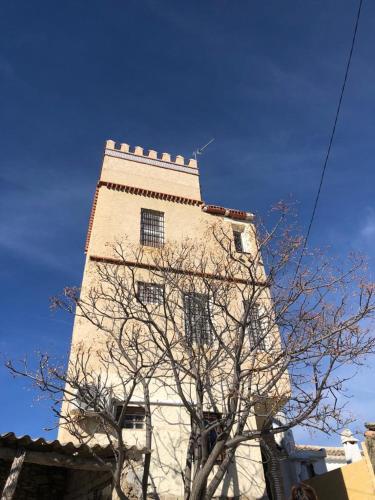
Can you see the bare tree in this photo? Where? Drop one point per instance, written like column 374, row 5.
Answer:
column 237, row 337
column 92, row 394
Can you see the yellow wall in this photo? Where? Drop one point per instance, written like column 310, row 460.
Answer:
column 351, row 482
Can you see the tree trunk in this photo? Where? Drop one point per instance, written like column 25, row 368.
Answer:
column 199, row 487
column 218, row 477
column 188, row 466
column 119, row 469
column 146, row 472
column 14, row 474
column 147, row 460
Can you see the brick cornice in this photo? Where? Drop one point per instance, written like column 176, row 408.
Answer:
column 152, row 267
column 137, row 191
column 91, row 219
column 150, row 194
column 212, row 209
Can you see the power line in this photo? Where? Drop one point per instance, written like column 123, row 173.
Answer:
column 331, row 138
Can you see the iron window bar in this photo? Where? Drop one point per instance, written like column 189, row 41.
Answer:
column 150, row 293
column 134, row 417
column 152, row 228
column 255, row 328
column 197, row 318
column 238, row 243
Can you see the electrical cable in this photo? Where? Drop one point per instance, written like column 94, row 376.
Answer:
column 330, row 140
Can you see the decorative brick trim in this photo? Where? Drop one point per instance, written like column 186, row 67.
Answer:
column 228, row 212
column 136, row 191
column 151, row 267
column 91, row 219
column 211, row 209
column 237, row 214
column 150, row 194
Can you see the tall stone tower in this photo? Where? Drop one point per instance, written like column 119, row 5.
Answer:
column 152, row 199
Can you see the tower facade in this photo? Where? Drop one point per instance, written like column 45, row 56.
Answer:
column 147, row 201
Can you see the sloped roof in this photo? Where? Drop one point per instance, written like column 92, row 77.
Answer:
column 10, row 440
column 330, row 450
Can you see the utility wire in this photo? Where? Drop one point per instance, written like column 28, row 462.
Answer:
column 330, row 140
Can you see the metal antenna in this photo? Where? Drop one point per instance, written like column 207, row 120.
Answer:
column 200, row 150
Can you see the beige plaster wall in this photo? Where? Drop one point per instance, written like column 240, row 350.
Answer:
column 163, row 179
column 117, row 218
column 244, row 479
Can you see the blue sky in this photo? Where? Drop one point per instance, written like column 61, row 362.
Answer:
column 263, row 78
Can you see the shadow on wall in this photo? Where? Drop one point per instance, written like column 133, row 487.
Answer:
column 231, row 480
column 233, row 483
column 351, row 482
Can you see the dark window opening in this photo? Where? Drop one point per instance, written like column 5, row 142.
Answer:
column 197, row 318
column 150, row 293
column 152, row 228
column 210, row 418
column 254, row 327
column 238, row 243
column 134, row 417
column 310, row 470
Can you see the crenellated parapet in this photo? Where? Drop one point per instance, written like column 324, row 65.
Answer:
column 149, row 170
column 151, row 154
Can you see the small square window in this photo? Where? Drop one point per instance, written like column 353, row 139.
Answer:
column 134, row 417
column 238, row 242
column 152, row 228
column 150, row 293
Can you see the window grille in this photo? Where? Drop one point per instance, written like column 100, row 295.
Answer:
column 150, row 293
column 197, row 318
column 255, row 328
column 152, row 228
column 238, row 243
column 134, row 417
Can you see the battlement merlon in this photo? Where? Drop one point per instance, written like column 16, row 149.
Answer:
column 133, row 167
column 139, row 151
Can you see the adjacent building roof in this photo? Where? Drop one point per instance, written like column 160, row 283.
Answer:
column 10, row 440
column 333, row 451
